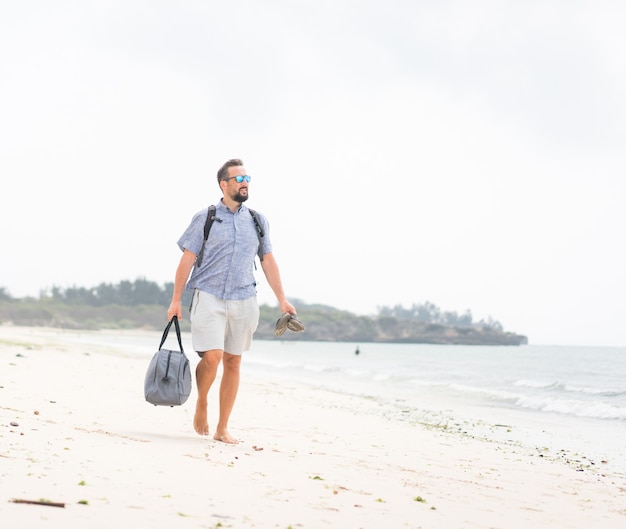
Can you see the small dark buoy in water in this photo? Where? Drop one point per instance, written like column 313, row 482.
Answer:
column 357, row 350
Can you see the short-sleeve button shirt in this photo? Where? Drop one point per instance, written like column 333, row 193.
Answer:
column 227, row 269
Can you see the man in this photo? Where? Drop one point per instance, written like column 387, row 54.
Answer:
column 224, row 312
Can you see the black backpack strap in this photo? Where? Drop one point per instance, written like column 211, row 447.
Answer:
column 207, row 227
column 209, row 222
column 259, row 231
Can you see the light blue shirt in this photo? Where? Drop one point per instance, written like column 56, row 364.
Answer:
column 227, row 269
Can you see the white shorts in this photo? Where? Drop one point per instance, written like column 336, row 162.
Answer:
column 222, row 324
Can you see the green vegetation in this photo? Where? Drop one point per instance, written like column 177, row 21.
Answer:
column 143, row 304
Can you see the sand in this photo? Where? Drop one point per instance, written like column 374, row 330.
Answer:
column 75, row 430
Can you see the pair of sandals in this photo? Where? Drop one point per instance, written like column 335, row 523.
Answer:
column 288, row 321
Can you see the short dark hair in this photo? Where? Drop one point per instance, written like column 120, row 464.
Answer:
column 223, row 172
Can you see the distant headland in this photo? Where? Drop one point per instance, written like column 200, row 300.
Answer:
column 142, row 304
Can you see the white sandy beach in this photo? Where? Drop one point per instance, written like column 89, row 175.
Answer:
column 75, row 429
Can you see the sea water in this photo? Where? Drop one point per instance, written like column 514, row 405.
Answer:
column 550, row 398
column 547, row 398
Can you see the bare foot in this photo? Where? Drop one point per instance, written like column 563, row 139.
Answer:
column 225, row 437
column 200, row 421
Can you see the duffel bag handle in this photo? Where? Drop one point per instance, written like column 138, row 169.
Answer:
column 167, row 330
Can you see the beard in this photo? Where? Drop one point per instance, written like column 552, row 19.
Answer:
column 238, row 197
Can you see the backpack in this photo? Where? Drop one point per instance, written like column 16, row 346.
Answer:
column 209, row 222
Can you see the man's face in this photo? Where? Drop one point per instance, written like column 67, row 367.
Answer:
column 237, row 191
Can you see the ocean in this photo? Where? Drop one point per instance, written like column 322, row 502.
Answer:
column 569, row 400
column 551, row 399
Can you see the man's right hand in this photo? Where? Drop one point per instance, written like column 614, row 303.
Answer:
column 175, row 309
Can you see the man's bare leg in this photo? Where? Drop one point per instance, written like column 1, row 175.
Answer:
column 228, row 394
column 206, row 371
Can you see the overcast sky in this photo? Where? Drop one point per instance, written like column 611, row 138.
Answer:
column 470, row 154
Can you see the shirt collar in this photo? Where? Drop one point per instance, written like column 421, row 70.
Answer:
column 220, row 206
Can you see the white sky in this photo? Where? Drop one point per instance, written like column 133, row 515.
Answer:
column 471, row 154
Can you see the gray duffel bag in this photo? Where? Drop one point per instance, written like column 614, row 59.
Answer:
column 168, row 379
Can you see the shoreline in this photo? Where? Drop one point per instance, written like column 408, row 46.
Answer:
column 75, row 429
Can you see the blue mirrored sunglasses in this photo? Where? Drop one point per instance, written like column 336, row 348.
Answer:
column 239, row 178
